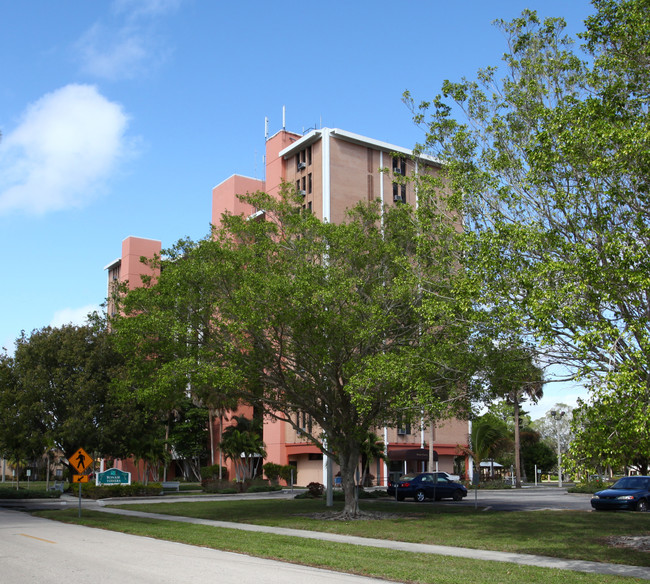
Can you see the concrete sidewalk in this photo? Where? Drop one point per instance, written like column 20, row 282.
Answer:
column 523, row 559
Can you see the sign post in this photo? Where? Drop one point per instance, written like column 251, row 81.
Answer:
column 80, row 461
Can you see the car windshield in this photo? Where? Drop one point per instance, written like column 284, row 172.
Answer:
column 635, row 483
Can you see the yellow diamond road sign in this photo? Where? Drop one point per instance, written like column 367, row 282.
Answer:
column 80, row 460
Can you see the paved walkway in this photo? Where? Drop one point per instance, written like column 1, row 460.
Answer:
column 524, row 559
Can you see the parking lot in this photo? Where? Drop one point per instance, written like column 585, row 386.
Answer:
column 525, row 499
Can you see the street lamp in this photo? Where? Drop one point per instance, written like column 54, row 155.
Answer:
column 557, row 416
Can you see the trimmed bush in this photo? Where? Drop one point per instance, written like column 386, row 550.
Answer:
column 13, row 493
column 590, row 487
column 212, row 472
column 92, row 491
column 218, row 486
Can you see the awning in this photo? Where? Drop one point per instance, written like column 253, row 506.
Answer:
column 411, row 454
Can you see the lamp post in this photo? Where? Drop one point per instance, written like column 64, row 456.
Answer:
column 557, row 416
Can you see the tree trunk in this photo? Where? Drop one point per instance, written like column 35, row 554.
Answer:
column 220, row 439
column 517, row 444
column 349, row 461
column 211, row 428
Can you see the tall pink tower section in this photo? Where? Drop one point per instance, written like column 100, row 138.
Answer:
column 224, row 195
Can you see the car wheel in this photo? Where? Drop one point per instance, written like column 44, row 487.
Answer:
column 642, row 506
column 458, row 495
column 419, row 496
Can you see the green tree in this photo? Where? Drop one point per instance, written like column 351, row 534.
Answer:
column 347, row 325
column 516, row 378
column 372, row 448
column 552, row 162
column 21, row 435
column 188, row 435
column 535, row 453
column 486, row 436
column 61, row 392
column 164, row 331
column 243, row 444
column 607, row 432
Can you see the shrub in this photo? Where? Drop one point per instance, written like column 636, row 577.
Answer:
column 285, row 473
column 92, row 491
column 13, row 493
column 218, row 486
column 489, row 485
column 315, row 490
column 272, row 471
column 212, row 472
column 589, row 487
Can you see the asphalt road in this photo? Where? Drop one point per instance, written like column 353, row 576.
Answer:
column 528, row 499
column 48, row 552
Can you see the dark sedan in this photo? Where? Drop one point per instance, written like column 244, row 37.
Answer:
column 426, row 485
column 631, row 493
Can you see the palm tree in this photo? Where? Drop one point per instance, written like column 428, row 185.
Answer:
column 516, row 378
column 218, row 403
column 244, row 446
column 372, row 448
column 486, row 434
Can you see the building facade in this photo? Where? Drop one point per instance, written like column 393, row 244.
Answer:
column 332, row 170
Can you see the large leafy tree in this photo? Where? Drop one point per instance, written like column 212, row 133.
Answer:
column 348, row 324
column 20, row 440
column 609, row 433
column 552, row 160
column 56, row 393
column 164, row 330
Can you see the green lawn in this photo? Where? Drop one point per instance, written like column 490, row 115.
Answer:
column 380, row 563
column 565, row 534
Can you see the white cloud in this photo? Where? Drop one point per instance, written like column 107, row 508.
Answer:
column 137, row 8
column 75, row 316
column 113, row 56
column 129, row 48
column 64, row 149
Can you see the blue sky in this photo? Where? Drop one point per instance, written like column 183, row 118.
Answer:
column 118, row 118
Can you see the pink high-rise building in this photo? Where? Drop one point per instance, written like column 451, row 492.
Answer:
column 333, row 170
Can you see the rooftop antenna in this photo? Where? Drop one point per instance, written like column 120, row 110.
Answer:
column 284, row 117
column 266, row 128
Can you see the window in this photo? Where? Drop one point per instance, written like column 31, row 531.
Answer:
column 399, row 193
column 309, row 184
column 399, row 165
column 304, row 422
column 404, row 428
column 302, row 158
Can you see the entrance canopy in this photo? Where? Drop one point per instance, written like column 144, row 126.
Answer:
column 419, row 454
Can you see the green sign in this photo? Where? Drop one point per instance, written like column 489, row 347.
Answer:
column 113, row 476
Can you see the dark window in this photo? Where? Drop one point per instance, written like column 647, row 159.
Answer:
column 399, row 193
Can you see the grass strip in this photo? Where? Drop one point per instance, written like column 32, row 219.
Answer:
column 379, row 563
column 578, row 535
